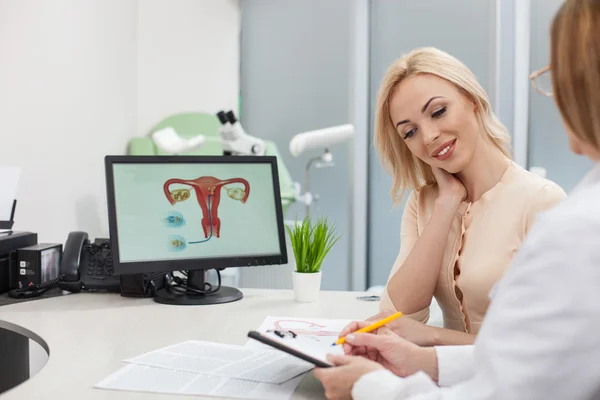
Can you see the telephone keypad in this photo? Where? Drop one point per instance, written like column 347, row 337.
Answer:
column 100, row 273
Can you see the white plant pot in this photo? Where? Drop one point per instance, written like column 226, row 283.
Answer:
column 307, row 286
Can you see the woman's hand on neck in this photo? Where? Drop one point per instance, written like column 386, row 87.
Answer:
column 486, row 168
column 451, row 189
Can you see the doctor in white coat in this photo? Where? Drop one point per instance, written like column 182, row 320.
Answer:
column 541, row 335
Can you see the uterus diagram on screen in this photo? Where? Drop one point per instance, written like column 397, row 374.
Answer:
column 208, row 194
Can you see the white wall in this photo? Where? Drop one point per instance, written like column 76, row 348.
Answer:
column 79, row 78
column 67, row 96
column 188, row 58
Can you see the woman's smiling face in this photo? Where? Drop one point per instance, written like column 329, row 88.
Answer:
column 436, row 121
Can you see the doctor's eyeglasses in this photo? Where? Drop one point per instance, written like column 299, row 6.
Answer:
column 541, row 80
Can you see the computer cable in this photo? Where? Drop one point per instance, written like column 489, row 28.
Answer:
column 180, row 285
column 34, row 290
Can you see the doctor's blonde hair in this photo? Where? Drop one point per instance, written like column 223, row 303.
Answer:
column 407, row 170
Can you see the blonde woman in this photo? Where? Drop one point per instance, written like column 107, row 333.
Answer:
column 471, row 206
column 540, row 337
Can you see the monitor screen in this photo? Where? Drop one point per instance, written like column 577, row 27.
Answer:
column 174, row 212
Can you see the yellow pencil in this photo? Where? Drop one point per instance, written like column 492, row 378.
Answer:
column 372, row 327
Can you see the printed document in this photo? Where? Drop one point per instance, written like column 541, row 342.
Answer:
column 260, row 365
column 143, row 378
column 253, row 371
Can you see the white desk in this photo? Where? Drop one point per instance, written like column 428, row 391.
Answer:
column 89, row 334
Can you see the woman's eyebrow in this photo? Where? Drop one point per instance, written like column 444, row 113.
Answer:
column 404, row 121
column 429, row 101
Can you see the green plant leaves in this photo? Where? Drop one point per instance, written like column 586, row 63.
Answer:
column 311, row 242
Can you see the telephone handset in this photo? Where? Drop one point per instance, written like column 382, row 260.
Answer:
column 84, row 266
column 71, row 259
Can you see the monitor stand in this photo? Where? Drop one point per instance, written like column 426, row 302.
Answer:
column 195, row 279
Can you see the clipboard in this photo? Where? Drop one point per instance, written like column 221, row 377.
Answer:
column 281, row 345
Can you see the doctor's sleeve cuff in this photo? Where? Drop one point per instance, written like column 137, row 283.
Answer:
column 384, row 385
column 380, row 385
column 455, row 364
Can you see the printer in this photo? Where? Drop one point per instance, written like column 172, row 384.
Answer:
column 9, row 243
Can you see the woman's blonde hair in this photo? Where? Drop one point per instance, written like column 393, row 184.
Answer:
column 575, row 66
column 408, row 171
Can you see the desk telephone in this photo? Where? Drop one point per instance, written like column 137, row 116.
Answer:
column 84, row 266
column 87, row 266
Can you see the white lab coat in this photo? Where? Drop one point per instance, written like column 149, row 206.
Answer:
column 541, row 335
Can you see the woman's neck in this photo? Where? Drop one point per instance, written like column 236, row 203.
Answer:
column 484, row 171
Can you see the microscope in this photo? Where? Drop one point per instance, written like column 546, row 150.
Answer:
column 235, row 140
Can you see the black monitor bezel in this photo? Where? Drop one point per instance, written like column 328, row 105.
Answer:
column 190, row 264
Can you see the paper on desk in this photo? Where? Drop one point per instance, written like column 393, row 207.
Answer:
column 321, row 331
column 269, row 366
column 143, row 378
column 9, row 181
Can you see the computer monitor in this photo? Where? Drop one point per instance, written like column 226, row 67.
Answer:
column 192, row 214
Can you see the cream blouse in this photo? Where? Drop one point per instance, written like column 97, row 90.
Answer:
column 483, row 238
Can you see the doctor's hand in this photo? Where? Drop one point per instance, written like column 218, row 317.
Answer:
column 400, row 356
column 339, row 380
column 407, row 328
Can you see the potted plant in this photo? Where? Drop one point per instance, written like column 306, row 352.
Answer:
column 310, row 242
